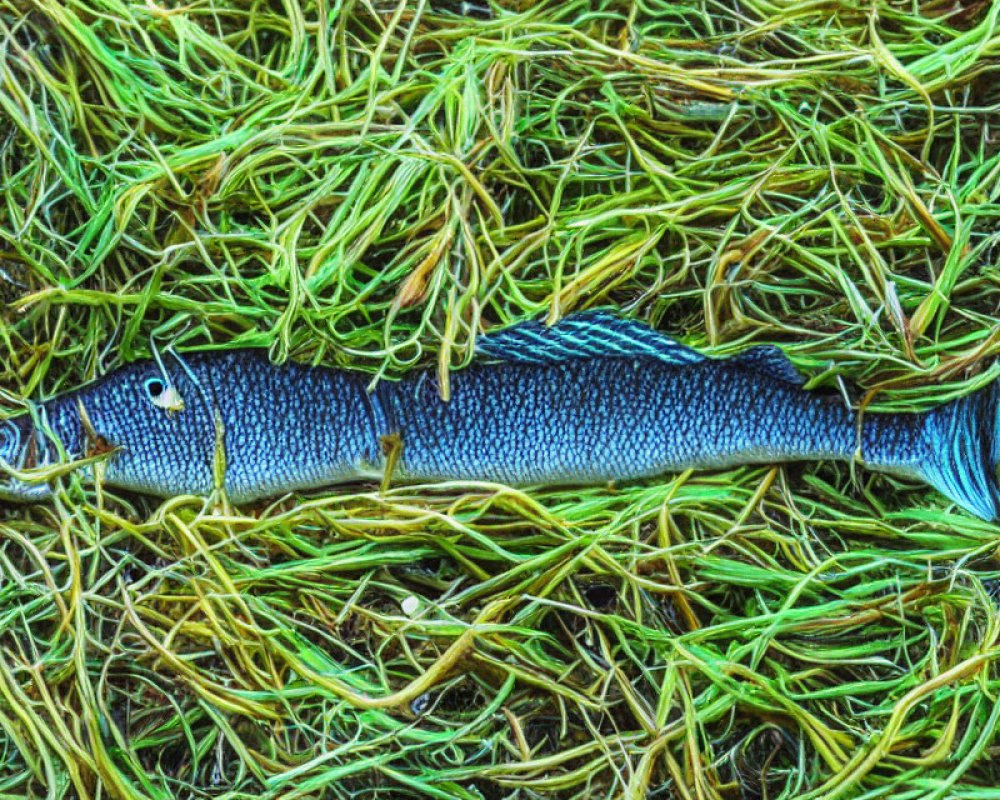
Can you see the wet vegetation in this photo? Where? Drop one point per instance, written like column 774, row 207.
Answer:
column 373, row 184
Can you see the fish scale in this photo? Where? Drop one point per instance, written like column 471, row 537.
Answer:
column 285, row 427
column 593, row 399
column 620, row 419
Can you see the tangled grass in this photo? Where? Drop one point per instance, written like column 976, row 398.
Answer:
column 372, row 183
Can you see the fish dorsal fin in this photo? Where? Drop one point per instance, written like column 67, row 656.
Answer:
column 769, row 360
column 589, row 334
column 598, row 334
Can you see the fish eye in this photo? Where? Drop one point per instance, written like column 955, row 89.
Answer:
column 163, row 394
column 154, row 388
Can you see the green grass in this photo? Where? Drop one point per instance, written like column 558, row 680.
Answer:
column 372, row 184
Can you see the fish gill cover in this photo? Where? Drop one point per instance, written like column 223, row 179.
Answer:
column 373, row 184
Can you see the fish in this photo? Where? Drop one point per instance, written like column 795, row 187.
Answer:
column 595, row 398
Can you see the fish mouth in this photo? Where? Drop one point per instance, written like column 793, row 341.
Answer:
column 23, row 449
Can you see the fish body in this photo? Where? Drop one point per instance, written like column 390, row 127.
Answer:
column 591, row 400
column 601, row 420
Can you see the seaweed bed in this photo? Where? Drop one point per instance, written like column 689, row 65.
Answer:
column 372, row 184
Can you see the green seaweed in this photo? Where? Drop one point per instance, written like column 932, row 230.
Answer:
column 372, row 185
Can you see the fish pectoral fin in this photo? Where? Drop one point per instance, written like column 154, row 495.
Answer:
column 769, row 360
column 589, row 334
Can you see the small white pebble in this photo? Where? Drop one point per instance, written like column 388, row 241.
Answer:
column 410, row 605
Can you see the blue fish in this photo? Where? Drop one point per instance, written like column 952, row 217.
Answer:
column 592, row 399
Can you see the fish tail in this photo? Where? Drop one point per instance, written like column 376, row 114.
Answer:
column 964, row 449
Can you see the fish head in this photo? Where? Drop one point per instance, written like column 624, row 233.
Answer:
column 156, row 431
column 22, row 447
column 150, row 430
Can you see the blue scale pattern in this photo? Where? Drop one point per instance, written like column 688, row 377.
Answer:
column 592, row 399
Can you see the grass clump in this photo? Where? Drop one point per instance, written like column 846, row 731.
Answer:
column 370, row 185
